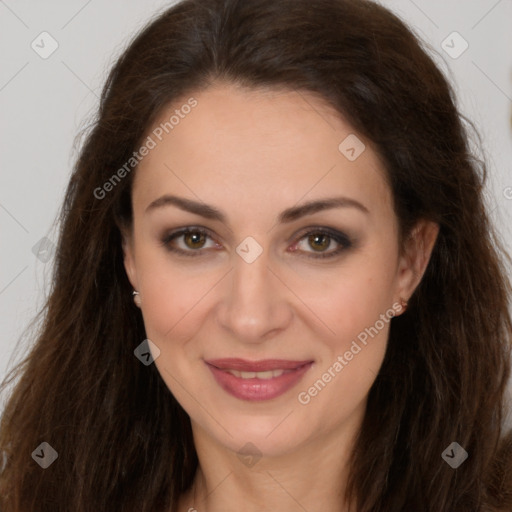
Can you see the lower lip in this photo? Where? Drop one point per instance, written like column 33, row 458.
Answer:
column 255, row 390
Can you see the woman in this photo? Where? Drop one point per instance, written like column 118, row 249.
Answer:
column 276, row 285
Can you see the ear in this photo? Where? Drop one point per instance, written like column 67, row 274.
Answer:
column 415, row 256
column 129, row 257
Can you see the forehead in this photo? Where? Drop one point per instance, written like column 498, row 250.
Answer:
column 260, row 148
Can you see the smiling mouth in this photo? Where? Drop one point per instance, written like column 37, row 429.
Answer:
column 270, row 374
column 261, row 366
column 257, row 380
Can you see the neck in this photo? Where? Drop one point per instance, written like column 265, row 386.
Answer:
column 313, row 477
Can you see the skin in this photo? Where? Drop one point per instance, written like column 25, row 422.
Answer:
column 253, row 154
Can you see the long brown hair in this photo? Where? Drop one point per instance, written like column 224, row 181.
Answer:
column 123, row 441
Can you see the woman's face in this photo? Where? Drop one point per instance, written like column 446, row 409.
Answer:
column 272, row 313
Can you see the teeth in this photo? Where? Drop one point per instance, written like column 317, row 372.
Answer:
column 270, row 374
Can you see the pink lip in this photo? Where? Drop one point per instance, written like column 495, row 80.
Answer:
column 257, row 389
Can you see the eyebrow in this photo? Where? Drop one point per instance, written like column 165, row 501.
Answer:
column 288, row 215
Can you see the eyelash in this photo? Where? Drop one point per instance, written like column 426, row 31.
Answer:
column 336, row 236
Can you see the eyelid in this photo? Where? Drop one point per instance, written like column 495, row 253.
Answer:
column 344, row 241
column 321, row 229
column 169, row 237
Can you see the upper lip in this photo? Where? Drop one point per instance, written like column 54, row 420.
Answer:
column 256, row 366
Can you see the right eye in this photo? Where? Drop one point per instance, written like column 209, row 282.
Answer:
column 189, row 241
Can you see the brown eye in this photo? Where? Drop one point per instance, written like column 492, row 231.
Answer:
column 194, row 239
column 189, row 241
column 322, row 243
column 319, row 242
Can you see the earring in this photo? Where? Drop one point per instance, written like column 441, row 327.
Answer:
column 136, row 298
column 403, row 305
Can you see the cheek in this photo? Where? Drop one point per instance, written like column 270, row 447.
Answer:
column 353, row 299
column 172, row 303
column 351, row 359
column 168, row 291
column 357, row 308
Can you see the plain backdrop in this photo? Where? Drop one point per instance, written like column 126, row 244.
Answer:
column 54, row 60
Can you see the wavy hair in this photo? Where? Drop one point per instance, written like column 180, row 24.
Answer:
column 124, row 443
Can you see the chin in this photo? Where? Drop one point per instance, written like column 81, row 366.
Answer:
column 271, row 434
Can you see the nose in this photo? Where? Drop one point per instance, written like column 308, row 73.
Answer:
column 255, row 303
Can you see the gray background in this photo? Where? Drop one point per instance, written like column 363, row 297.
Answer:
column 45, row 102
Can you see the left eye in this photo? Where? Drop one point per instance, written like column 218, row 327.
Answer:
column 194, row 240
column 320, row 240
